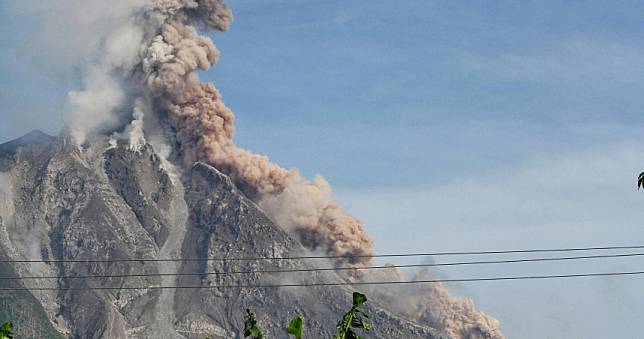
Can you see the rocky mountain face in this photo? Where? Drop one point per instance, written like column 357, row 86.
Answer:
column 109, row 202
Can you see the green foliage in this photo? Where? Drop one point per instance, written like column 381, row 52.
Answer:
column 296, row 326
column 6, row 330
column 354, row 319
column 250, row 326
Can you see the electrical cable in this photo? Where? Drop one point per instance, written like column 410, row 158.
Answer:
column 323, row 284
column 328, row 268
column 395, row 255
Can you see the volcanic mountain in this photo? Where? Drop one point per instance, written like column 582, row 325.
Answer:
column 108, row 210
column 104, row 229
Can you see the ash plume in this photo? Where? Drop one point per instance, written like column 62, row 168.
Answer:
column 204, row 130
column 136, row 61
column 138, row 81
column 432, row 304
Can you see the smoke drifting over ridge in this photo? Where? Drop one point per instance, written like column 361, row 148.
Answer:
column 139, row 79
column 432, row 304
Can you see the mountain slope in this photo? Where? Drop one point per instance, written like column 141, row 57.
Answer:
column 110, row 202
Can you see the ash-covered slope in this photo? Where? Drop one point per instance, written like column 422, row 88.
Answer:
column 108, row 202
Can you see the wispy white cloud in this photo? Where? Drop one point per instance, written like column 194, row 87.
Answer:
column 578, row 60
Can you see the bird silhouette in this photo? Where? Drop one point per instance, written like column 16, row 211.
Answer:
column 640, row 181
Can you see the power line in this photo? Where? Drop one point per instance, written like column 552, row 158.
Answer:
column 461, row 263
column 346, row 283
column 395, row 255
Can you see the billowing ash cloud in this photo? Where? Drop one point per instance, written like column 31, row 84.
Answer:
column 138, row 78
column 431, row 303
column 204, row 130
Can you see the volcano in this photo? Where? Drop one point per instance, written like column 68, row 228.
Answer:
column 107, row 201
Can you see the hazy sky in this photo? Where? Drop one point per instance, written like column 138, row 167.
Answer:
column 444, row 125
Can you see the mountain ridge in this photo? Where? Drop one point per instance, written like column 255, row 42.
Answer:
column 108, row 201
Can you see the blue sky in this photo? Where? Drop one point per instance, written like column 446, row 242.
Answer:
column 444, row 125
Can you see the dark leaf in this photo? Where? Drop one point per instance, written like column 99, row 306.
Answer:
column 358, row 299
column 250, row 326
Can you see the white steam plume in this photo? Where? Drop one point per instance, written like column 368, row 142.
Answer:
column 93, row 108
